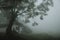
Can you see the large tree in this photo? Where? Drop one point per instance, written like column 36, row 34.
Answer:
column 23, row 8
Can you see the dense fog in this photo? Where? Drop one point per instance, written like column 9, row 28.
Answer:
column 51, row 22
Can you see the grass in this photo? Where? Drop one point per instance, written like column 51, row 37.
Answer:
column 42, row 36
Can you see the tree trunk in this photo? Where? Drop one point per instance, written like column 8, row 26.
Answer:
column 9, row 33
column 12, row 19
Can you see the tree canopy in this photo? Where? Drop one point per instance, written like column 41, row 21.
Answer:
column 24, row 8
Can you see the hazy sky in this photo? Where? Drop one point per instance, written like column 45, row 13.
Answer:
column 51, row 22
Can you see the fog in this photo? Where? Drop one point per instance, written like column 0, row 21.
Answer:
column 51, row 22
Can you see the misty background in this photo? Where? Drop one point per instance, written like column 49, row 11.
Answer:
column 51, row 22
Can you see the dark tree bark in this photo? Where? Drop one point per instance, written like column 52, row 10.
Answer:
column 12, row 17
column 9, row 34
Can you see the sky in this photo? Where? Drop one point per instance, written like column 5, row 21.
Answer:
column 51, row 22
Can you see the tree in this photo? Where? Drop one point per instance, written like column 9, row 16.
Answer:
column 23, row 8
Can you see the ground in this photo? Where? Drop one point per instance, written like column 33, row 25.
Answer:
column 31, row 37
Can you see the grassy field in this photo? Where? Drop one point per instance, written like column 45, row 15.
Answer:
column 42, row 36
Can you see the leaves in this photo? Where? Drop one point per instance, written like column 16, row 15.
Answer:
column 45, row 14
column 34, row 24
column 26, row 21
column 50, row 2
column 41, row 17
column 36, row 13
column 28, row 8
column 43, row 7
